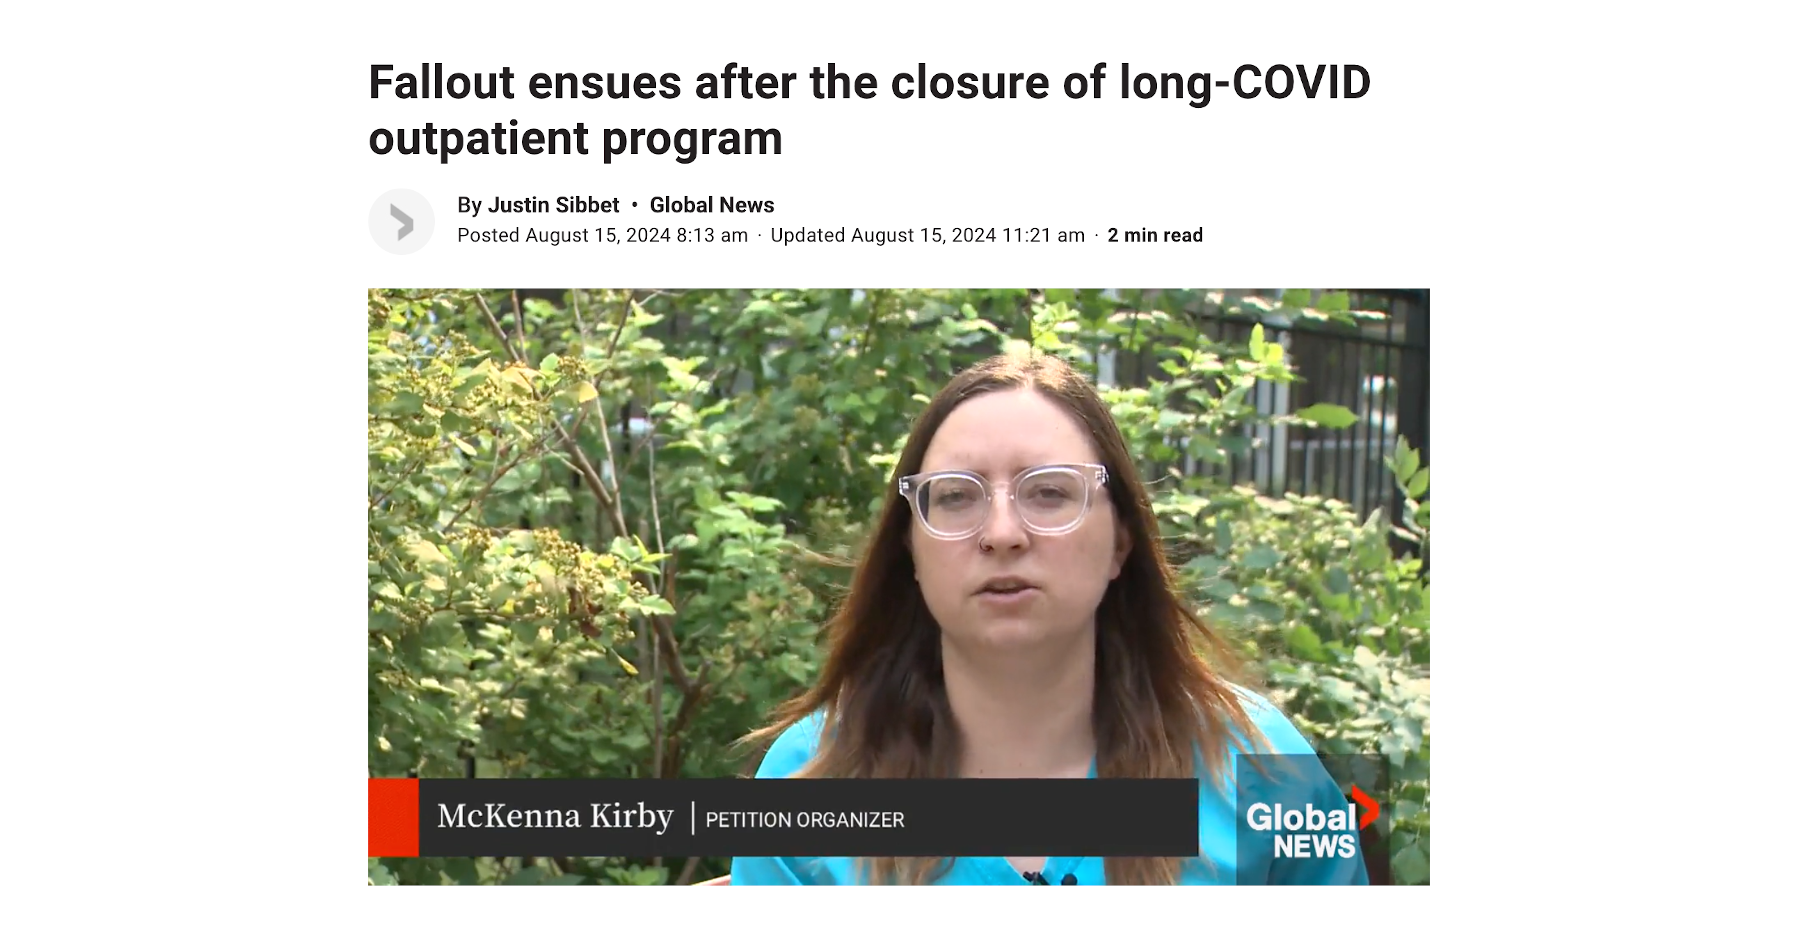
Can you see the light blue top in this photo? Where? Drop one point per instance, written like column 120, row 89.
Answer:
column 1218, row 829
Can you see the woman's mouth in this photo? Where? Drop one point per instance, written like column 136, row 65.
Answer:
column 1002, row 592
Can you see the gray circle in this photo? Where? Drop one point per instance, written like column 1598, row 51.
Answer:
column 401, row 221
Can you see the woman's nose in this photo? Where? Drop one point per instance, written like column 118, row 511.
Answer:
column 1004, row 527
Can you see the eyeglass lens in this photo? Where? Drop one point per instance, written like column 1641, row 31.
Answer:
column 1047, row 499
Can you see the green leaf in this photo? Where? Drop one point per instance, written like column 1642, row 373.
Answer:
column 461, row 870
column 1296, row 298
column 1266, row 611
column 519, row 477
column 425, row 552
column 585, row 392
column 1222, row 537
column 405, row 404
column 656, row 605
column 1393, row 745
column 442, row 628
column 1410, row 866
column 1305, row 644
column 1257, row 347
column 1327, row 415
column 1336, row 581
column 1408, row 462
column 1418, row 483
column 1219, row 589
column 1338, row 691
column 1206, row 565
column 1333, row 302
column 1260, row 557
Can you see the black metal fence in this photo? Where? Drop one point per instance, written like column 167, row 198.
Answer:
column 1359, row 372
column 1379, row 369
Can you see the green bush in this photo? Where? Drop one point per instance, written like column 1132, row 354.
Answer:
column 1342, row 629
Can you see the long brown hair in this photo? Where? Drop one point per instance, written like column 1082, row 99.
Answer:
column 1161, row 675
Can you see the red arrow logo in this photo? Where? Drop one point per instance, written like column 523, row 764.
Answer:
column 1371, row 809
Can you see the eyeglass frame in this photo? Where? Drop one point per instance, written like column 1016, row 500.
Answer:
column 1096, row 475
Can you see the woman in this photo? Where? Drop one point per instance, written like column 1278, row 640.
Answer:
column 1014, row 617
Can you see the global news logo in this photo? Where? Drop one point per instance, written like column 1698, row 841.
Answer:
column 1309, row 832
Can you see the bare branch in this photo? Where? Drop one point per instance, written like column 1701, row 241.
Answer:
column 655, row 511
column 862, row 346
column 519, row 323
column 690, row 700
column 499, row 332
column 655, row 423
column 575, row 308
column 401, row 481
column 665, row 638
column 535, row 449
column 668, row 588
column 624, row 316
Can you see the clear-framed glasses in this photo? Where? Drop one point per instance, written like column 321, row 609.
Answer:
column 1051, row 500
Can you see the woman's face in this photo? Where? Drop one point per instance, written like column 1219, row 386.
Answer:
column 997, row 435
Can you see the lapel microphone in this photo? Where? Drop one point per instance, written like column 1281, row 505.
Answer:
column 1036, row 878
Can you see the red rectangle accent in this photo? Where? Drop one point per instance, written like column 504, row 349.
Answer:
column 393, row 817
